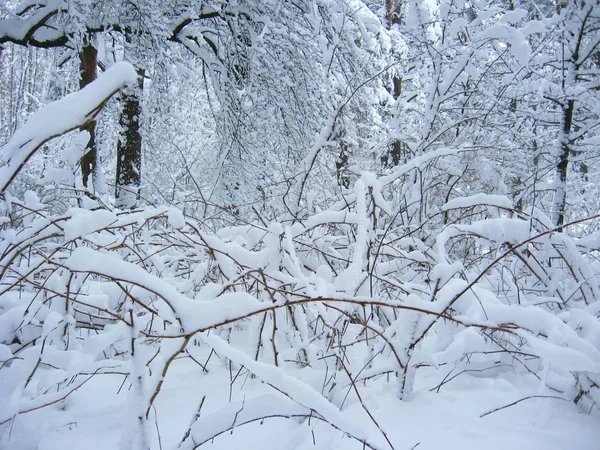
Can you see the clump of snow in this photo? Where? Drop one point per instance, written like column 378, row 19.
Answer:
column 176, row 218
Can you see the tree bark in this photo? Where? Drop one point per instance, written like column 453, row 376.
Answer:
column 563, row 163
column 341, row 166
column 129, row 150
column 393, row 12
column 393, row 156
column 88, row 63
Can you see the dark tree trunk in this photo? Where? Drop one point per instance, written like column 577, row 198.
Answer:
column 129, row 150
column 563, row 161
column 393, row 156
column 393, row 12
column 88, row 65
column 341, row 166
column 397, row 149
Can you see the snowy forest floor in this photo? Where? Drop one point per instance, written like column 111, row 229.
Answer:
column 449, row 419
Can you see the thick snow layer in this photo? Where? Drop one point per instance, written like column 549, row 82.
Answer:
column 193, row 314
column 478, row 199
column 92, row 418
column 296, row 390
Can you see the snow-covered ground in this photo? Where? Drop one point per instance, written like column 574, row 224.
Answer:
column 95, row 416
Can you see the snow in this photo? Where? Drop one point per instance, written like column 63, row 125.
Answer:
column 83, row 222
column 247, row 399
column 449, row 419
column 176, row 218
column 297, row 391
column 17, row 28
column 192, row 314
column 237, row 414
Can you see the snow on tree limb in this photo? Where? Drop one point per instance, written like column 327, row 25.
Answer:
column 33, row 30
column 60, row 117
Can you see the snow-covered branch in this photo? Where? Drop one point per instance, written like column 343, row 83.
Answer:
column 60, row 117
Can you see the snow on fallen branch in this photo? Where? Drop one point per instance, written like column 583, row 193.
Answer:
column 298, row 391
column 237, row 414
column 60, row 117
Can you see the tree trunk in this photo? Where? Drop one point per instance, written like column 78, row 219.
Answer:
column 393, row 156
column 397, row 149
column 393, row 12
column 560, row 195
column 129, row 150
column 341, row 166
column 88, row 63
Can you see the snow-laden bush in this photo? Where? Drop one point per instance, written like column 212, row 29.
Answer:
column 346, row 292
column 375, row 288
